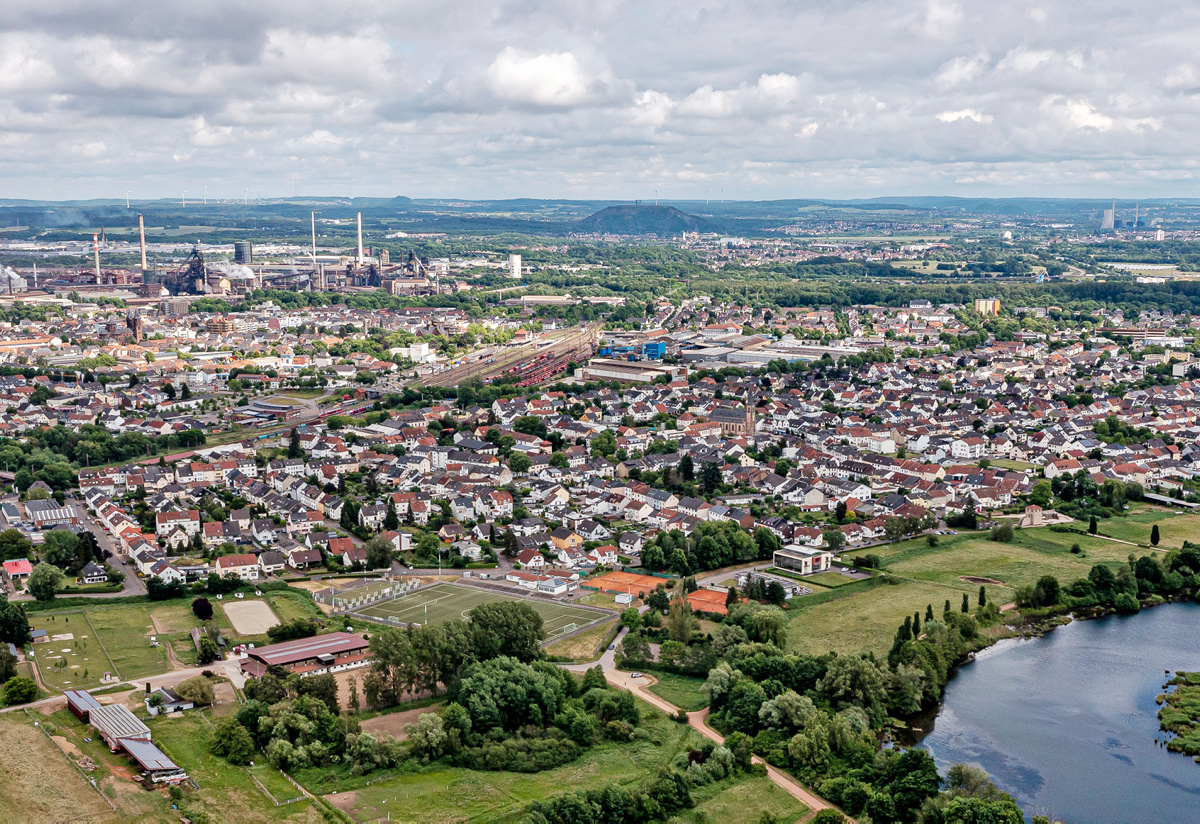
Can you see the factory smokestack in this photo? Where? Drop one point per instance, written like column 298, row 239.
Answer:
column 360, row 254
column 142, row 240
column 96, row 252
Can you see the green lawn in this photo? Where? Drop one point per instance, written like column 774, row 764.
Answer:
column 293, row 604
column 69, row 663
column 681, row 690
column 744, row 800
column 585, row 646
column 828, row 579
column 440, row 793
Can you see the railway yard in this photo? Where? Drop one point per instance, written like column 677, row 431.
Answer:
column 529, row 364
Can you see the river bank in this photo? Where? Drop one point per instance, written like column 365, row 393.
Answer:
column 1067, row 721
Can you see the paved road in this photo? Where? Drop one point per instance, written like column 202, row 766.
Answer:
column 230, row 666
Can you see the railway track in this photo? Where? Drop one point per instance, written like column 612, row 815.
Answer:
column 521, row 361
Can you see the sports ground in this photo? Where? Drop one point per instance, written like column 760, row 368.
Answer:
column 443, row 602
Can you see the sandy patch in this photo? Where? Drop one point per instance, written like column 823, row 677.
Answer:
column 250, row 617
column 974, row 579
column 393, row 723
column 66, row 636
column 66, row 746
column 343, row 801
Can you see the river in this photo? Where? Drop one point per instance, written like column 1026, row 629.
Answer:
column 1067, row 722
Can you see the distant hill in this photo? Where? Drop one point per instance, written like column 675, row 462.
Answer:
column 644, row 220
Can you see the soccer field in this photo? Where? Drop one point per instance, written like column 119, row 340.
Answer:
column 443, row 602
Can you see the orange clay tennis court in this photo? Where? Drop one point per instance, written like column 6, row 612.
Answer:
column 708, row 600
column 625, row 582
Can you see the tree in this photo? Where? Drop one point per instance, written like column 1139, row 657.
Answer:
column 44, row 582
column 20, row 690
column 731, row 596
column 232, row 742
column 295, row 450
column 519, row 463
column 391, row 521
column 687, row 470
column 631, row 618
column 159, row 590
column 1154, row 536
column 507, row 694
column 966, row 603
column 13, row 544
column 168, row 389
column 681, row 623
column 207, row 652
column 14, row 626
column 835, row 540
column 982, row 595
column 506, row 628
column 776, row 593
column 1041, row 494
column 380, row 552
column 710, row 477
column 560, row 460
column 202, row 608
column 829, row 816
column 1092, row 526
column 1002, row 533
column 197, row 689
column 61, row 548
column 186, row 392
column 8, row 665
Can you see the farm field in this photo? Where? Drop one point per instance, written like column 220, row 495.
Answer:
column 449, row 601
column 451, row 794
column 39, row 782
column 827, row 579
column 681, row 690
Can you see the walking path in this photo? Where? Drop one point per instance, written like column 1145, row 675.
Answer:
column 696, row 720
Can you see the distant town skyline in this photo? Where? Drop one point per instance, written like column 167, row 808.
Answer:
column 612, row 100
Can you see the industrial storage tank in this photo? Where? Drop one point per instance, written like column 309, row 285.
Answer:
column 243, row 251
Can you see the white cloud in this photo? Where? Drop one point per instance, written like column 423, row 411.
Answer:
column 964, row 114
column 961, row 70
column 556, row 79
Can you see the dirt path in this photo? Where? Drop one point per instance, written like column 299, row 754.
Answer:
column 697, row 720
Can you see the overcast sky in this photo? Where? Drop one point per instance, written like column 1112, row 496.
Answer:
column 599, row 98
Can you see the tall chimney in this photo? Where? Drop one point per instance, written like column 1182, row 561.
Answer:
column 96, row 252
column 314, row 238
column 142, row 240
column 360, row 254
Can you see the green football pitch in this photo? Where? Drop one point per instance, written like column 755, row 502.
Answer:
column 443, row 602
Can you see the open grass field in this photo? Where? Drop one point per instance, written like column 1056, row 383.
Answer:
column 1033, row 554
column 74, row 657
column 125, row 631
column 1173, row 528
column 292, row 605
column 865, row 620
column 443, row 602
column 585, row 646
column 39, row 782
column 442, row 794
column 745, row 800
column 224, row 788
column 681, row 690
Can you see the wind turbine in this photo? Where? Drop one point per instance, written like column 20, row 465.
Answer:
column 183, row 199
column 205, row 195
column 126, row 198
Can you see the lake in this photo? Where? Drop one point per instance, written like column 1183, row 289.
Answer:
column 1067, row 723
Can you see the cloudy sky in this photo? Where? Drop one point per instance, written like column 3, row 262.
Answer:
column 599, row 98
